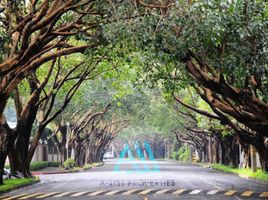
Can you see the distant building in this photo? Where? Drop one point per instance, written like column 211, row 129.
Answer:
column 45, row 151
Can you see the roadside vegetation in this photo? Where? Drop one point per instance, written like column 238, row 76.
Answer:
column 258, row 175
column 40, row 165
column 69, row 164
column 11, row 184
column 183, row 154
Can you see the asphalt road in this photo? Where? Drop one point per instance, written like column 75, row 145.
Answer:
column 143, row 180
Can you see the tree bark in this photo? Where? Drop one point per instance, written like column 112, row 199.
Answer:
column 6, row 137
column 34, row 144
column 263, row 153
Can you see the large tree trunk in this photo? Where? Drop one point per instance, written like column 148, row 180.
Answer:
column 19, row 153
column 26, row 116
column 33, row 145
column 263, row 152
column 3, row 151
column 3, row 136
column 6, row 137
column 101, row 151
column 61, row 144
column 261, row 145
column 80, row 155
column 264, row 161
column 3, row 102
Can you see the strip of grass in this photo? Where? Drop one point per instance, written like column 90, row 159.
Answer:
column 93, row 165
column 87, row 167
column 258, row 175
column 11, row 184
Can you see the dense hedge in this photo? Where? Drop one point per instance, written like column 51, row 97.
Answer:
column 40, row 165
column 54, row 164
column 43, row 164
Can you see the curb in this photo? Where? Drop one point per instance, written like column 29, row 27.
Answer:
column 55, row 172
column 37, row 180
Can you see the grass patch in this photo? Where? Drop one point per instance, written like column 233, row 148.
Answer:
column 259, row 174
column 11, row 184
column 89, row 166
column 96, row 164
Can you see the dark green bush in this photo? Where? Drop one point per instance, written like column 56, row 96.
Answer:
column 54, row 164
column 38, row 165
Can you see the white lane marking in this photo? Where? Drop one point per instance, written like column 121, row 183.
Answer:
column 179, row 191
column 95, row 193
column 213, row 192
column 5, row 196
column 46, row 195
column 162, row 191
column 195, row 192
column 63, row 194
column 146, row 191
column 12, row 197
column 31, row 195
column 112, row 192
column 78, row 194
column 264, row 194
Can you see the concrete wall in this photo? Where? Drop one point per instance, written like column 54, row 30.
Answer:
column 41, row 154
column 54, row 156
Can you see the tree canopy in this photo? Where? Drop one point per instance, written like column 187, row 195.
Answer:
column 193, row 70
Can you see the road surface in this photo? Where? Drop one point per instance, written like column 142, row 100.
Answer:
column 143, row 180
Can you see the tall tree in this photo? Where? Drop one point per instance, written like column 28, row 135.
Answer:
column 220, row 48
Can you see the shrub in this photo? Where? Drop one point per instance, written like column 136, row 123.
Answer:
column 87, row 166
column 184, row 153
column 69, row 164
column 54, row 164
column 38, row 165
column 175, row 155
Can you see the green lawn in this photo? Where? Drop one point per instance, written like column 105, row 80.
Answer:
column 259, row 175
column 15, row 183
